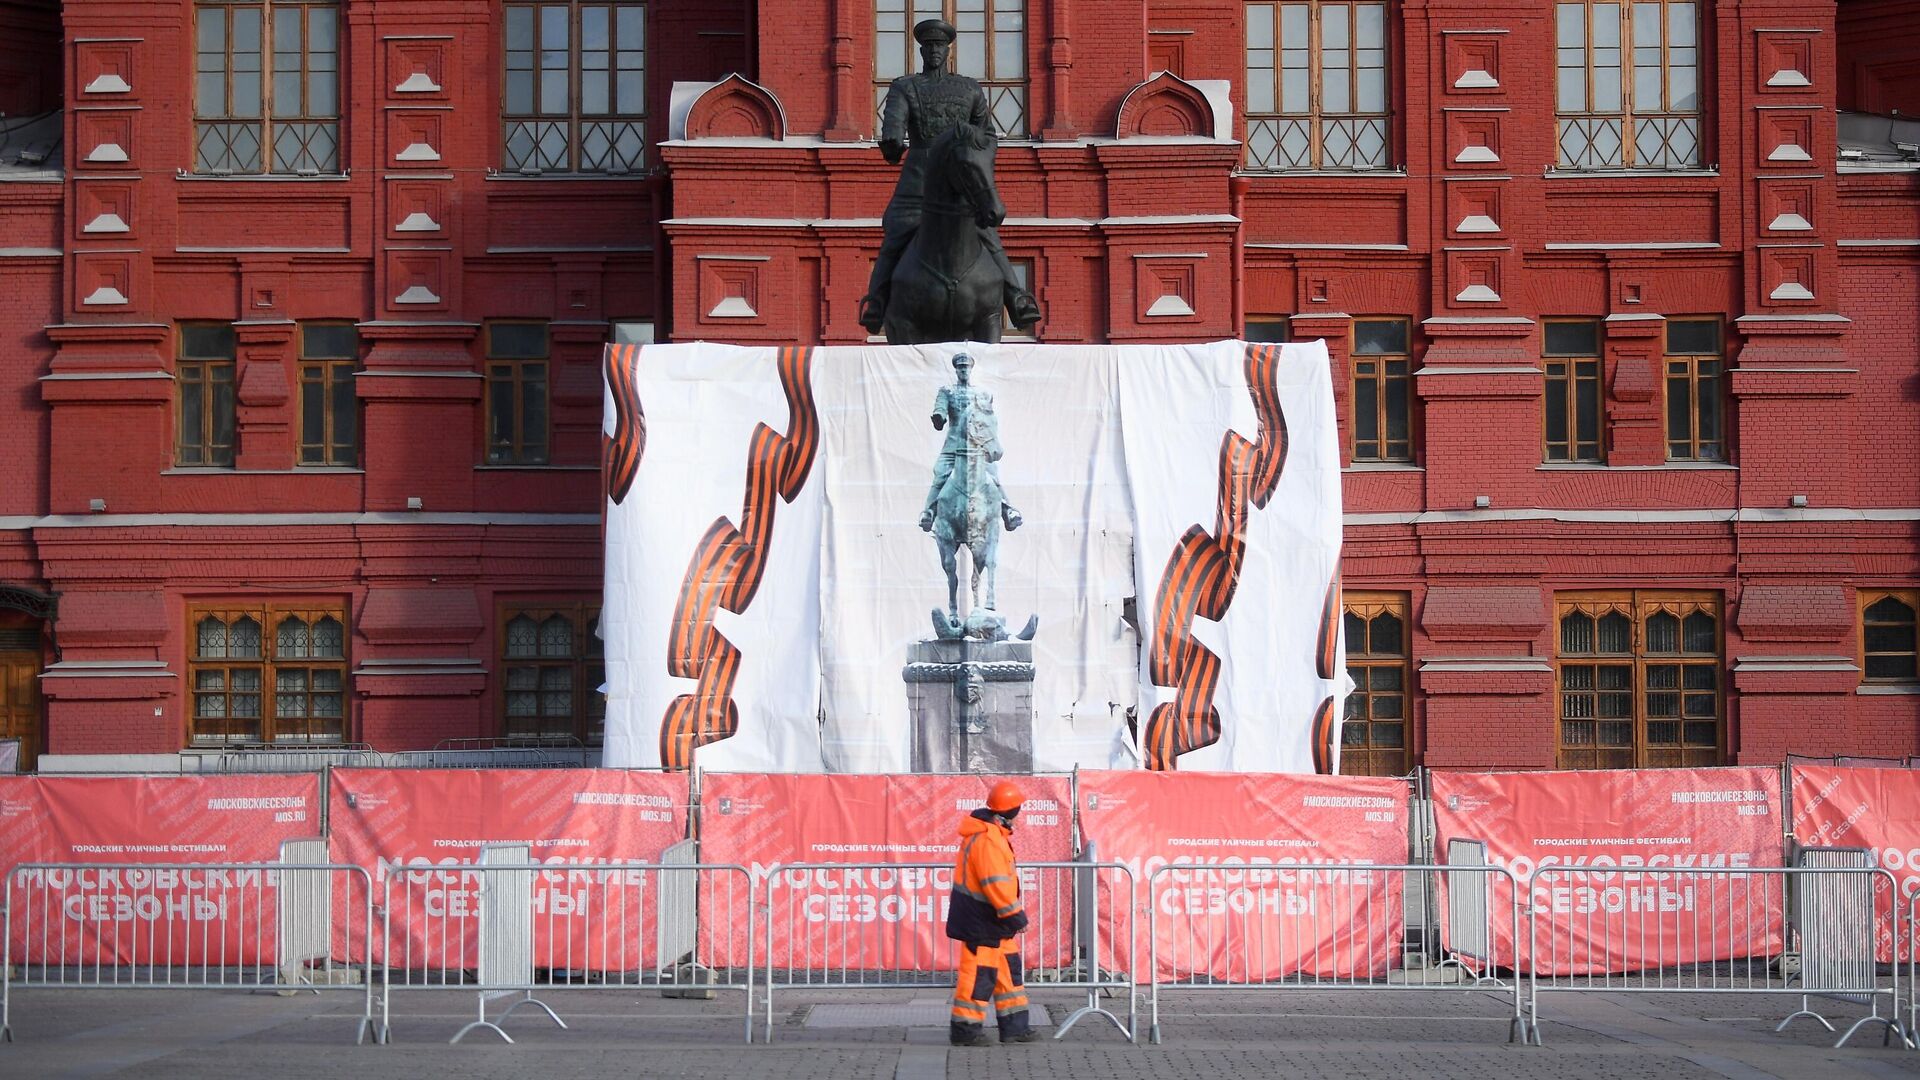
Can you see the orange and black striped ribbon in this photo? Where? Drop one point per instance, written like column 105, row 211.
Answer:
column 727, row 567
column 1328, row 656
column 629, row 441
column 1204, row 570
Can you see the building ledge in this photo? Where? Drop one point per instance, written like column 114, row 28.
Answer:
column 420, row 665
column 1623, row 174
column 1887, row 689
column 107, row 669
column 1485, row 663
column 266, row 178
column 1601, row 466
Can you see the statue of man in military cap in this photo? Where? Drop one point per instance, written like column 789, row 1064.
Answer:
column 919, row 109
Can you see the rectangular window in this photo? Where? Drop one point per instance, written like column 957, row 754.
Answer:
column 1316, row 85
column 1628, row 89
column 517, row 393
column 1373, row 738
column 1571, row 348
column 1382, row 391
column 1696, row 401
column 329, row 412
column 1267, row 329
column 1887, row 651
column 1639, row 678
column 551, row 671
column 203, row 395
column 991, row 48
column 575, row 87
column 268, row 674
column 267, row 87
column 631, row 332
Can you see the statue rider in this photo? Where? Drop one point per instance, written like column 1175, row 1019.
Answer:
column 950, row 408
column 919, row 109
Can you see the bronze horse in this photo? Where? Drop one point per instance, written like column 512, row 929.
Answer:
column 945, row 287
column 969, row 512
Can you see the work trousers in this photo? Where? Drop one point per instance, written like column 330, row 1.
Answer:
column 991, row 977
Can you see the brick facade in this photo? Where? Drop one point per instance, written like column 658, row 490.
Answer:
column 756, row 222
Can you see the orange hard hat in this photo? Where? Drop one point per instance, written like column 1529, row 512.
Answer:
column 1005, row 796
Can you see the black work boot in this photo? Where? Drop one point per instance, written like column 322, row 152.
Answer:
column 1023, row 311
column 1017, row 1027
column 959, row 1034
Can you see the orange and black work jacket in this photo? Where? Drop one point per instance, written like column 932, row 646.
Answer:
column 986, row 908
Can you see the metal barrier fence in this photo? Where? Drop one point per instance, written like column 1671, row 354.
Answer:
column 497, row 753
column 1716, row 930
column 498, row 757
column 1327, row 926
column 511, row 927
column 1911, row 961
column 180, row 926
column 1468, row 935
column 280, row 759
column 882, row 926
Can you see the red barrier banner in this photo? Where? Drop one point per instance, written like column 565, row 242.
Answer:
column 1244, row 904
column 437, row 820
column 862, row 920
column 1876, row 809
column 110, row 916
column 1621, row 850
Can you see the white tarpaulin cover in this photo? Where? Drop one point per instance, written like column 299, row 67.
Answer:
column 1179, row 542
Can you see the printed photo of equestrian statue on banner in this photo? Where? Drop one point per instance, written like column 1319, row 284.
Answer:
column 984, row 558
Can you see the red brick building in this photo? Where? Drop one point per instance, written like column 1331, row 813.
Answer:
column 305, row 303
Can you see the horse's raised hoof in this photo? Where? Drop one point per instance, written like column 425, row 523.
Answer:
column 1032, row 628
column 873, row 314
column 1010, row 517
column 926, row 521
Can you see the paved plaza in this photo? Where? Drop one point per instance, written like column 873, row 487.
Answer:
column 1223, row 1036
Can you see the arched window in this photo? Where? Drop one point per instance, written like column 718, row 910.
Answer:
column 1887, row 636
column 268, row 675
column 551, row 672
column 1375, row 735
column 1639, row 676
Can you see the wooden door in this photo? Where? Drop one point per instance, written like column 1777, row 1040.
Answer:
column 20, row 703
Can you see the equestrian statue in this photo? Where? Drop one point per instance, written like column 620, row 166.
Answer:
column 941, row 274
column 966, row 506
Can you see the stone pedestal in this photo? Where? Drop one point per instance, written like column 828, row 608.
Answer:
column 971, row 702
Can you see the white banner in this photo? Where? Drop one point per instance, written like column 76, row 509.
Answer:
column 768, row 571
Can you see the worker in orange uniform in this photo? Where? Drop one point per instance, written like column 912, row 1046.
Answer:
column 984, row 917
